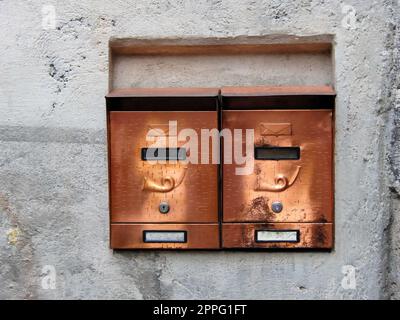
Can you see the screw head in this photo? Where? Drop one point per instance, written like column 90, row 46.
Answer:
column 164, row 207
column 277, row 206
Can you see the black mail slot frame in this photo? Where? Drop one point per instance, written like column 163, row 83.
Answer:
column 163, row 154
column 277, row 153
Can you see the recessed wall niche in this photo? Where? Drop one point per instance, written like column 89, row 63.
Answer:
column 214, row 62
column 281, row 87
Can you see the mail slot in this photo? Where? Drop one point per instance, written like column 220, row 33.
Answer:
column 276, row 153
column 287, row 200
column 159, row 199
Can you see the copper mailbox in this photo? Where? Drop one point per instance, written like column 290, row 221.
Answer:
column 287, row 202
column 170, row 204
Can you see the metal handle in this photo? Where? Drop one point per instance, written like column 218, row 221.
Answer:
column 281, row 182
column 167, row 184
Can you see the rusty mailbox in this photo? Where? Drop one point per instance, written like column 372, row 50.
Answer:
column 157, row 198
column 287, row 201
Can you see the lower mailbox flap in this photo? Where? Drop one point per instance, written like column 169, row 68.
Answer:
column 277, row 235
column 165, row 236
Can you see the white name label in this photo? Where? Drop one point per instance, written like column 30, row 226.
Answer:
column 277, row 236
column 164, row 236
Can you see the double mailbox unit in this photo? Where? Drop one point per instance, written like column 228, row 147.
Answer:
column 285, row 201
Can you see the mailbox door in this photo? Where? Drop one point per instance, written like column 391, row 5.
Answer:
column 292, row 178
column 144, row 192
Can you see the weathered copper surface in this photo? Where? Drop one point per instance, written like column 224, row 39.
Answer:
column 199, row 236
column 304, row 186
column 138, row 187
column 311, row 235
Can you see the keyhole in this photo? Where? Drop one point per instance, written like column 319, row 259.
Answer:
column 164, row 207
column 277, row 206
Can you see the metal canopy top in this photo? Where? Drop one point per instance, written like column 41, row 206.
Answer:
column 206, row 99
column 163, row 99
column 259, row 91
column 274, row 97
column 164, row 92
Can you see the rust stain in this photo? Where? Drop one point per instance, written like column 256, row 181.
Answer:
column 14, row 232
column 258, row 206
column 5, row 206
column 13, row 235
column 319, row 237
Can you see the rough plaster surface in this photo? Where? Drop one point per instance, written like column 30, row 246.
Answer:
column 53, row 173
column 231, row 70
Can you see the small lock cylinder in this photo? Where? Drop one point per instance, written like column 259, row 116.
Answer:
column 277, row 206
column 164, row 207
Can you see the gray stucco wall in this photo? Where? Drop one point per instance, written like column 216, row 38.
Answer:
column 53, row 170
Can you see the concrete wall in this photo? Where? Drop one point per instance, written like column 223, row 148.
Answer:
column 53, row 171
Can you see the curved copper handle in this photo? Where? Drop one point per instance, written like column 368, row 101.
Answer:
column 281, row 182
column 168, row 183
